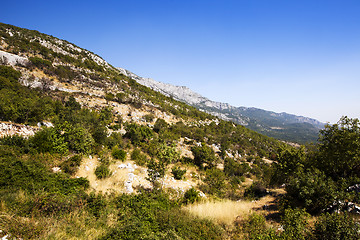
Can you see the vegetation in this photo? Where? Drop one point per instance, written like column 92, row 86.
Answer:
column 227, row 160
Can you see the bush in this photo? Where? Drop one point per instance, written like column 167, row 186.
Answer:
column 214, row 182
column 178, row 173
column 295, row 224
column 139, row 158
column 102, row 171
column 119, row 154
column 71, row 165
column 255, row 191
column 138, row 134
column 336, row 227
column 204, row 156
column 311, row 190
column 254, row 227
column 191, row 196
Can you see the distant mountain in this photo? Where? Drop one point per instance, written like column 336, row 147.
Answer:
column 284, row 126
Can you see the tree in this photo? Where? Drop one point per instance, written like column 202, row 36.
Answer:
column 204, row 156
column 159, row 125
column 290, row 162
column 339, row 149
column 156, row 170
column 167, row 154
column 138, row 134
column 311, row 190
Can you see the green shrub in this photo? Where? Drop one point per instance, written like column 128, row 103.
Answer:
column 214, row 182
column 139, row 158
column 191, row 196
column 96, row 204
column 254, row 227
column 336, row 227
column 311, row 190
column 40, row 63
column 255, row 191
column 119, row 154
column 102, row 171
column 71, row 165
column 295, row 224
column 138, row 134
column 204, row 156
column 178, row 173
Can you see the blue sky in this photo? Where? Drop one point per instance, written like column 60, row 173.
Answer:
column 294, row 56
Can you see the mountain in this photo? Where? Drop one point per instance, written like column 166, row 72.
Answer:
column 284, row 126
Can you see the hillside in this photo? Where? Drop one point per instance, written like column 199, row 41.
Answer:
column 86, row 152
column 283, row 126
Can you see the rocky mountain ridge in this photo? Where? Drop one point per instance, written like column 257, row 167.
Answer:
column 270, row 123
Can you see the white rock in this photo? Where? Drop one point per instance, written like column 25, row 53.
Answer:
column 56, row 169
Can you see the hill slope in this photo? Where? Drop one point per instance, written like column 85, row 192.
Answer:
column 283, row 126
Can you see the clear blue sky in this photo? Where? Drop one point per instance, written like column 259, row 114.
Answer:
column 295, row 56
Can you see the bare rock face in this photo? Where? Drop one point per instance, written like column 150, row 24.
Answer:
column 12, row 59
column 180, row 93
column 11, row 129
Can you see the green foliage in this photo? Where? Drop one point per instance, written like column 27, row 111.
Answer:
column 149, row 117
column 214, row 182
column 160, row 125
column 255, row 191
column 311, row 190
column 156, row 170
column 339, row 149
column 50, row 140
column 191, row 196
column 336, row 227
column 178, row 173
column 71, row 165
column 290, row 162
column 9, row 73
column 109, row 97
column 72, row 104
column 118, row 154
column 21, row 104
column 138, row 134
column 96, row 204
column 255, row 228
column 295, row 224
column 65, row 73
column 33, row 176
column 40, row 63
column 121, row 97
column 102, row 171
column 139, row 158
column 234, row 168
column 79, row 139
column 167, row 154
column 204, row 156
column 154, row 216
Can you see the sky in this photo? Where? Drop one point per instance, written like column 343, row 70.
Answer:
column 296, row 56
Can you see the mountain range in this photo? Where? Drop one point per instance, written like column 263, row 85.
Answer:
column 284, row 126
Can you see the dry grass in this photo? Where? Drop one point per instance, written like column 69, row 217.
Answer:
column 225, row 211
column 76, row 225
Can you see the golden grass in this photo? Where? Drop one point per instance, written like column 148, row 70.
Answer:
column 224, row 211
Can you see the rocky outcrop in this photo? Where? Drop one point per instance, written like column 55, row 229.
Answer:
column 11, row 129
column 12, row 59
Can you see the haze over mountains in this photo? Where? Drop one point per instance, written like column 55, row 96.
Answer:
column 283, row 126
